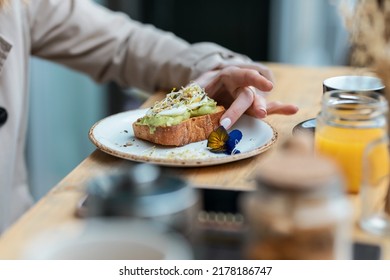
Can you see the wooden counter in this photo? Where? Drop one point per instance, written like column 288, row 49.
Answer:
column 298, row 85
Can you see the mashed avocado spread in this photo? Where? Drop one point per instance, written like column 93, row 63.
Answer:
column 178, row 106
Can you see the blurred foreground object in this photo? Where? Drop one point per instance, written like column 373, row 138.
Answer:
column 134, row 212
column 299, row 210
column 108, row 239
column 375, row 215
column 144, row 191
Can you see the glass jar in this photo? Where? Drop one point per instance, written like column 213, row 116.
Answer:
column 348, row 121
column 299, row 211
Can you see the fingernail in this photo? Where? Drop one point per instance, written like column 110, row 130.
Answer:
column 226, row 122
column 263, row 112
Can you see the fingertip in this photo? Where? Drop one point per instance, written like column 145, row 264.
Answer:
column 291, row 109
column 264, row 112
column 261, row 113
column 295, row 109
column 226, row 123
column 270, row 85
column 266, row 86
column 283, row 109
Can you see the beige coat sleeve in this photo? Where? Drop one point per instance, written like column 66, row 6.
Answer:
column 110, row 46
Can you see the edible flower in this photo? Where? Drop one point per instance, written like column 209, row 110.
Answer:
column 220, row 141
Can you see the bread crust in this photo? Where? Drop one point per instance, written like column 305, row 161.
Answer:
column 192, row 130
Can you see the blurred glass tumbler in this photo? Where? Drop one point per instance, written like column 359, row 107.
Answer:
column 347, row 123
column 375, row 191
column 347, row 83
column 143, row 191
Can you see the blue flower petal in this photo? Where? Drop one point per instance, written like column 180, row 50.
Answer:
column 235, row 137
column 234, row 152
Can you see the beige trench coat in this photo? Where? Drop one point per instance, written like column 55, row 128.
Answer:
column 88, row 38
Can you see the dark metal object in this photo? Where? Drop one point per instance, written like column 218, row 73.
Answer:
column 306, row 126
column 3, row 116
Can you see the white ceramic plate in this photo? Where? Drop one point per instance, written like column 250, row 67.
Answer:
column 114, row 135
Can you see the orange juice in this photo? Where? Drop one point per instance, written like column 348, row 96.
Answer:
column 346, row 145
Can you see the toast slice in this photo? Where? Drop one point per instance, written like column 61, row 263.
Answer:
column 191, row 130
column 182, row 117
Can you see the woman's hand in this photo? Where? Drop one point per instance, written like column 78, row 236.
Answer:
column 243, row 90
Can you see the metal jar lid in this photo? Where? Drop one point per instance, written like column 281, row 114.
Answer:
column 139, row 190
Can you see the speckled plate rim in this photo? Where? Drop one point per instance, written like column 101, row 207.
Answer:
column 214, row 159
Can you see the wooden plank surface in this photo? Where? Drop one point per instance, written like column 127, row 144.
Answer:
column 299, row 85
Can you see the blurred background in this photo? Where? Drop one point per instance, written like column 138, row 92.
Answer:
column 65, row 104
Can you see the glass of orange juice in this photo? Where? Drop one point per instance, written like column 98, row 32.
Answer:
column 347, row 123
